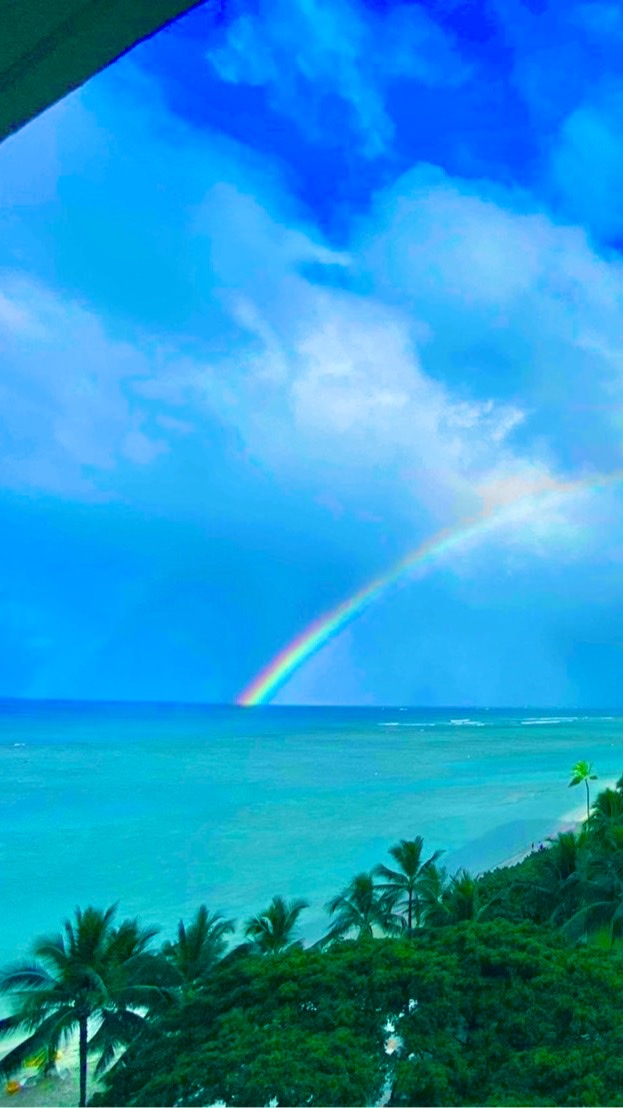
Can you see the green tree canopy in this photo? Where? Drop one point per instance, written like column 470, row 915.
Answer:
column 484, row 1013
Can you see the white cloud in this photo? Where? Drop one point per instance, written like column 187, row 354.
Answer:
column 473, row 299
column 513, row 302
column 67, row 406
column 15, row 318
column 304, row 51
column 350, row 389
column 326, row 386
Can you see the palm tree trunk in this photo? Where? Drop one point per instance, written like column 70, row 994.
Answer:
column 83, row 1025
column 588, row 809
column 410, row 912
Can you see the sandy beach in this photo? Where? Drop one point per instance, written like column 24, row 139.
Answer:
column 60, row 1090
column 49, row 1092
column 572, row 820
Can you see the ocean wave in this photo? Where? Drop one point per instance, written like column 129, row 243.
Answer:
column 434, row 723
column 396, row 723
column 543, row 721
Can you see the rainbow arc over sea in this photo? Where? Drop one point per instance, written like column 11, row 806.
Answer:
column 327, row 626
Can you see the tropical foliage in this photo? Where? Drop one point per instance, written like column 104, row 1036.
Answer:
column 426, row 988
column 274, row 929
column 582, row 773
column 198, row 947
column 483, row 1013
column 403, row 885
column 93, row 972
column 360, row 909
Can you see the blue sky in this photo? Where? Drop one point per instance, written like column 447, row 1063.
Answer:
column 283, row 292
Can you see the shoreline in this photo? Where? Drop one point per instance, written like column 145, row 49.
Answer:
column 62, row 1088
column 573, row 820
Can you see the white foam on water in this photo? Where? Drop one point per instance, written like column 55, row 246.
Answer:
column 547, row 720
column 418, row 725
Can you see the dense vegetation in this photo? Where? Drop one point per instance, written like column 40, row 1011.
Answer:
column 426, row 989
column 487, row 1013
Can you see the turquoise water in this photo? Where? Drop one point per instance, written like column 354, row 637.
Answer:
column 165, row 807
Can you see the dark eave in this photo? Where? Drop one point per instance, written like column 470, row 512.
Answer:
column 50, row 47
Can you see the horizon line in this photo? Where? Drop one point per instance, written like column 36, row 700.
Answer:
column 279, row 707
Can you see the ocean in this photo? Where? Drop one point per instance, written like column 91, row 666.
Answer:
column 164, row 807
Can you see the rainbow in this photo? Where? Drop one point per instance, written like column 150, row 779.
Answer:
column 327, row 626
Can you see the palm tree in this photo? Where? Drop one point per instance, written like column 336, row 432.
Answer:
column 607, row 814
column 92, row 971
column 361, row 907
column 452, row 900
column 272, row 931
column 599, row 918
column 433, row 894
column 583, row 772
column 462, row 899
column 582, row 875
column 403, row 885
column 560, row 875
column 198, row 947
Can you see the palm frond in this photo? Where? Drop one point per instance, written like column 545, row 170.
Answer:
column 107, row 1057
column 273, row 929
column 148, row 969
column 15, row 1059
column 116, row 1030
column 151, row 997
column 390, row 875
column 589, row 917
column 48, row 1034
column 52, row 949
column 24, row 976
column 361, row 908
column 8, row 1025
column 130, row 940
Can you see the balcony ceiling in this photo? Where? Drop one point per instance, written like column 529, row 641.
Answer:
column 50, row 47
